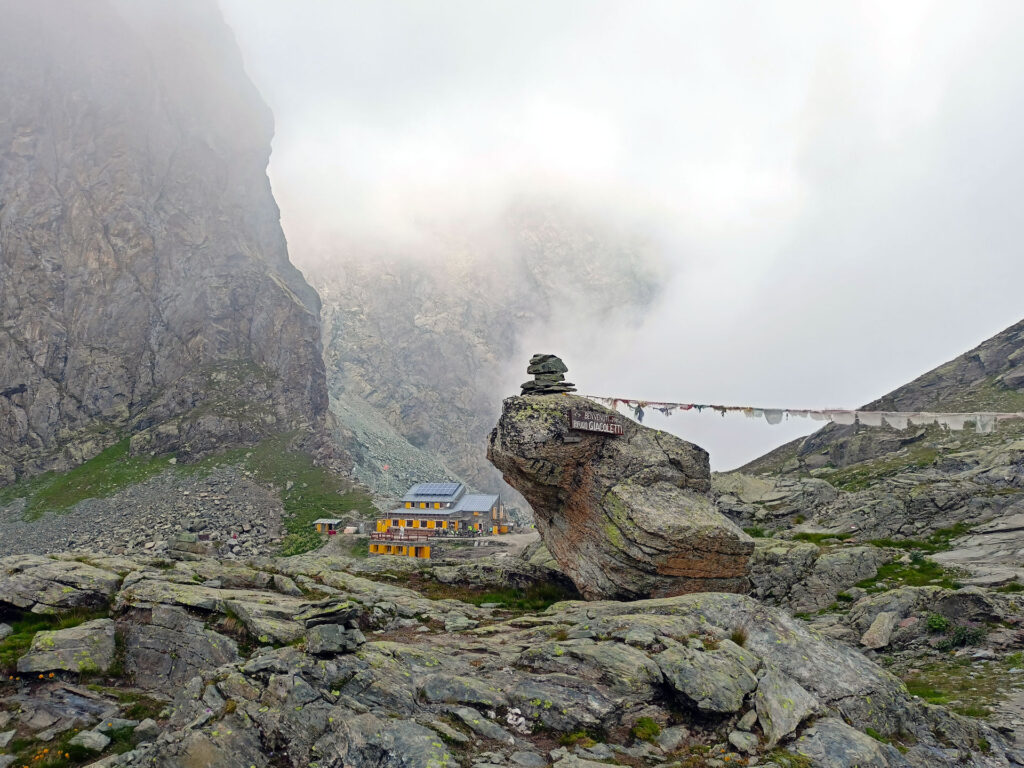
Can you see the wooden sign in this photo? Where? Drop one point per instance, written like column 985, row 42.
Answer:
column 595, row 421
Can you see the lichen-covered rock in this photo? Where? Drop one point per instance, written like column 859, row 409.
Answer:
column 831, row 742
column 456, row 689
column 625, row 516
column 94, row 741
column 563, row 703
column 781, row 704
column 89, row 647
column 511, row 572
column 803, row 577
column 165, row 647
column 333, row 638
column 878, row 634
column 45, row 585
column 510, row 683
column 714, row 680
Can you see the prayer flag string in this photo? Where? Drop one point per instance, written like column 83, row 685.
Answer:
column 984, row 421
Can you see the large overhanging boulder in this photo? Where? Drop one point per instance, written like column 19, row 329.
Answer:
column 626, row 516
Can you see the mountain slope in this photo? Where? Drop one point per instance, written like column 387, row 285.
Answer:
column 959, row 495
column 145, row 286
column 989, row 377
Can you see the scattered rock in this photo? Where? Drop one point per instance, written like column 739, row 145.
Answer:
column 880, row 631
column 744, row 741
column 147, row 730
column 91, row 740
column 781, row 704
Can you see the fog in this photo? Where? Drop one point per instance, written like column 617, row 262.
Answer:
column 834, row 187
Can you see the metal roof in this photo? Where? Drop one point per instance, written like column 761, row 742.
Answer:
column 431, row 492
column 476, row 502
column 333, row 520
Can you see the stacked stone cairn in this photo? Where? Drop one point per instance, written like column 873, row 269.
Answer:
column 548, row 376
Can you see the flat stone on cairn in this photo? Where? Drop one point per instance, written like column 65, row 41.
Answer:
column 548, row 376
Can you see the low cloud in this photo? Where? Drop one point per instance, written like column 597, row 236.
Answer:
column 831, row 188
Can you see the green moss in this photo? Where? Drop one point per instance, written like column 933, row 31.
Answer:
column 789, row 760
column 535, row 598
column 646, row 729
column 579, row 738
column 919, row 572
column 939, row 541
column 817, row 538
column 1012, row 588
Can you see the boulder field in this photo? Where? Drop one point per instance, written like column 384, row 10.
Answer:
column 625, row 516
column 298, row 662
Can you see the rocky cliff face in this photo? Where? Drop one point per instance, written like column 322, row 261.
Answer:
column 145, row 286
column 430, row 339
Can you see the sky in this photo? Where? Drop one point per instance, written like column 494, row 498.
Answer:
column 835, row 187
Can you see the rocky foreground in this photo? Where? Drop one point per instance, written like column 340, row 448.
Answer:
column 299, row 662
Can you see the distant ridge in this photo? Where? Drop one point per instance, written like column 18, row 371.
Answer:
column 989, row 377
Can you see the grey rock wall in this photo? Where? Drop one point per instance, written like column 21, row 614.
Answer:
column 145, row 286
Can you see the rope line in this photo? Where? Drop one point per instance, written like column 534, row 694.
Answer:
column 984, row 421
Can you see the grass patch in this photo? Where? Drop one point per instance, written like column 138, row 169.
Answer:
column 966, row 687
column 940, row 541
column 817, row 538
column 739, row 636
column 136, row 706
column 103, row 475
column 757, row 532
column 860, row 476
column 919, row 572
column 1012, row 588
column 530, row 600
column 314, row 492
column 960, row 636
